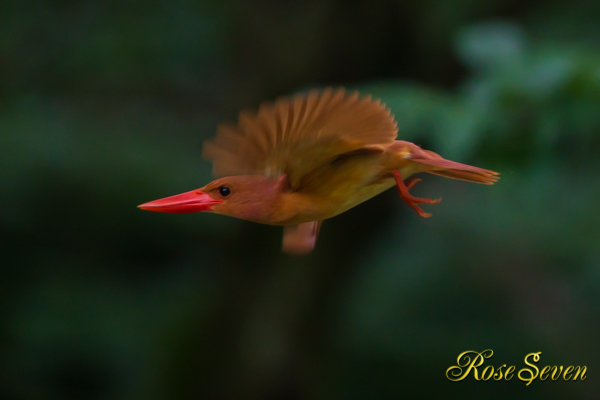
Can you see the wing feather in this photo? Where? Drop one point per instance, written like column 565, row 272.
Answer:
column 295, row 135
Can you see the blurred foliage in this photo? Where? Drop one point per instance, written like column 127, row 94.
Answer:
column 105, row 105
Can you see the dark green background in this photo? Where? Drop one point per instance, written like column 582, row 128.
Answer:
column 104, row 105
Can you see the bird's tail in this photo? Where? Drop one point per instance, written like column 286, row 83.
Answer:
column 411, row 159
column 452, row 169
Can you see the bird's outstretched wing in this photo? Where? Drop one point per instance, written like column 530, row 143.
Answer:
column 293, row 136
column 301, row 239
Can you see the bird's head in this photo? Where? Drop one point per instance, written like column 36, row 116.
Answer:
column 248, row 197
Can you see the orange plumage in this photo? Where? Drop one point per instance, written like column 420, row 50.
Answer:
column 302, row 160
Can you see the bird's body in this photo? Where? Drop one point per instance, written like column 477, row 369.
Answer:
column 335, row 188
column 310, row 158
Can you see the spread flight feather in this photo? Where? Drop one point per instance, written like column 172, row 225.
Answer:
column 295, row 136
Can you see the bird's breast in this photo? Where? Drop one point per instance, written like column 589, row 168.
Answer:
column 299, row 207
column 334, row 189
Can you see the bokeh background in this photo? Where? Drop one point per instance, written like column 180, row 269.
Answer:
column 104, row 105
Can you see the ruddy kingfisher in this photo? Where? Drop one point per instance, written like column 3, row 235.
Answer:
column 301, row 160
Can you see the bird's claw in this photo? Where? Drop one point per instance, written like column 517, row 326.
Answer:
column 408, row 198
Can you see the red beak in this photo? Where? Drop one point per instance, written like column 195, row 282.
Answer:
column 183, row 203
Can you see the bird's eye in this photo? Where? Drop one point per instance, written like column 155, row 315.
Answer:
column 224, row 191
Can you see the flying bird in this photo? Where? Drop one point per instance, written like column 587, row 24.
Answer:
column 304, row 159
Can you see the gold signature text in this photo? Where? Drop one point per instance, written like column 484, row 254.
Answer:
column 471, row 362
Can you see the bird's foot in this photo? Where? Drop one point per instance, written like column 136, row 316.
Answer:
column 408, row 198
